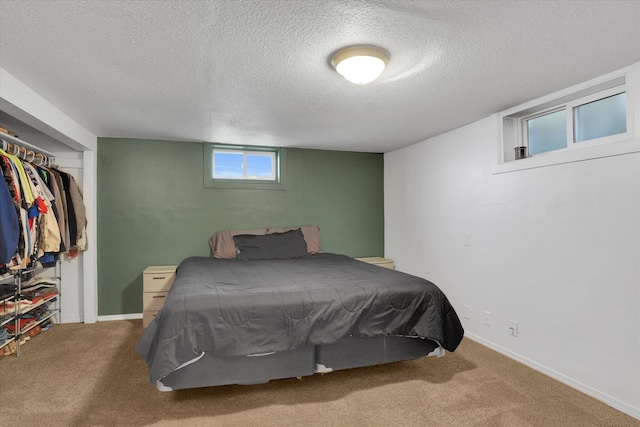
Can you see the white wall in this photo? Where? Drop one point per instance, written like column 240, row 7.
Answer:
column 556, row 249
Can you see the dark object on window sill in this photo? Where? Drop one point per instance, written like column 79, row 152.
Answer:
column 521, row 153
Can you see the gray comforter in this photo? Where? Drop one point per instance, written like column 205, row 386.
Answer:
column 236, row 308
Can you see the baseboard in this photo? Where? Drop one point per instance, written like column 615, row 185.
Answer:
column 72, row 319
column 110, row 317
column 611, row 401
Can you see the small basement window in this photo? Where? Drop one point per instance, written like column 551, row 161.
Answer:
column 546, row 132
column 246, row 165
column 592, row 118
column 577, row 124
column 231, row 166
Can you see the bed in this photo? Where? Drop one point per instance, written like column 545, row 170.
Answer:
column 274, row 306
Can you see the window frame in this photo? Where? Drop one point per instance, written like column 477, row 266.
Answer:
column 594, row 98
column 278, row 183
column 569, row 109
column 513, row 123
column 271, row 154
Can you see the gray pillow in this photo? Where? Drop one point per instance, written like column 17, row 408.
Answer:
column 287, row 245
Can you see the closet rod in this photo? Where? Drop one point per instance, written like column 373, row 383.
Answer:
column 25, row 144
column 8, row 141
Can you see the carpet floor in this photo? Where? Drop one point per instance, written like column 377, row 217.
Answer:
column 90, row 375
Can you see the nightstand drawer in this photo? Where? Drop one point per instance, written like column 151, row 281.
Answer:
column 158, row 278
column 148, row 316
column 153, row 300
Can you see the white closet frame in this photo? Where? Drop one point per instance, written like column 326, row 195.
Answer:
column 25, row 105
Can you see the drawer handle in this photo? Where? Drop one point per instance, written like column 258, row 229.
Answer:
column 159, row 296
column 159, row 278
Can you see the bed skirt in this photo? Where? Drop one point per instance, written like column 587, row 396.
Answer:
column 351, row 352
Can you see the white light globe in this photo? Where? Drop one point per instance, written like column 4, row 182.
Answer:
column 361, row 69
column 360, row 64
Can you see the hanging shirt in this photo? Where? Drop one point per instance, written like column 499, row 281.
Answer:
column 24, row 181
column 9, row 225
column 12, row 178
column 76, row 213
column 61, row 206
column 48, row 232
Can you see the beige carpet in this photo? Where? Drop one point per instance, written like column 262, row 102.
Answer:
column 89, row 375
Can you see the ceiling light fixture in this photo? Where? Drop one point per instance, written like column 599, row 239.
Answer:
column 360, row 64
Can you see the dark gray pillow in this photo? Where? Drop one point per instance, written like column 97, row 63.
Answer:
column 287, row 245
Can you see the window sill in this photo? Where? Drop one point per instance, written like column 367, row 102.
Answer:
column 249, row 185
column 569, row 156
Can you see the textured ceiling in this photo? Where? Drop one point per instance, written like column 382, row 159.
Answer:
column 257, row 72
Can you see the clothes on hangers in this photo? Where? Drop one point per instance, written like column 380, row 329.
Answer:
column 9, row 226
column 43, row 214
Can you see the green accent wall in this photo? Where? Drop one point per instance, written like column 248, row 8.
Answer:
column 153, row 208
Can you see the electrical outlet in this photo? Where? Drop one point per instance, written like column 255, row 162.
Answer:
column 467, row 312
column 467, row 239
column 486, row 316
column 513, row 328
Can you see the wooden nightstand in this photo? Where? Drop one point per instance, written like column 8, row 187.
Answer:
column 382, row 262
column 156, row 281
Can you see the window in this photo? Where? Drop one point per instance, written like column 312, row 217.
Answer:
column 228, row 166
column 600, row 115
column 579, row 123
column 547, row 132
column 600, row 118
column 243, row 164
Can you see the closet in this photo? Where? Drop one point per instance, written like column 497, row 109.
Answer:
column 48, row 129
column 42, row 221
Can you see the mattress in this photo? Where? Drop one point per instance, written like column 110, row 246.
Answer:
column 228, row 308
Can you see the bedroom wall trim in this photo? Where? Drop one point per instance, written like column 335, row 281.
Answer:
column 609, row 400
column 71, row 319
column 112, row 317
